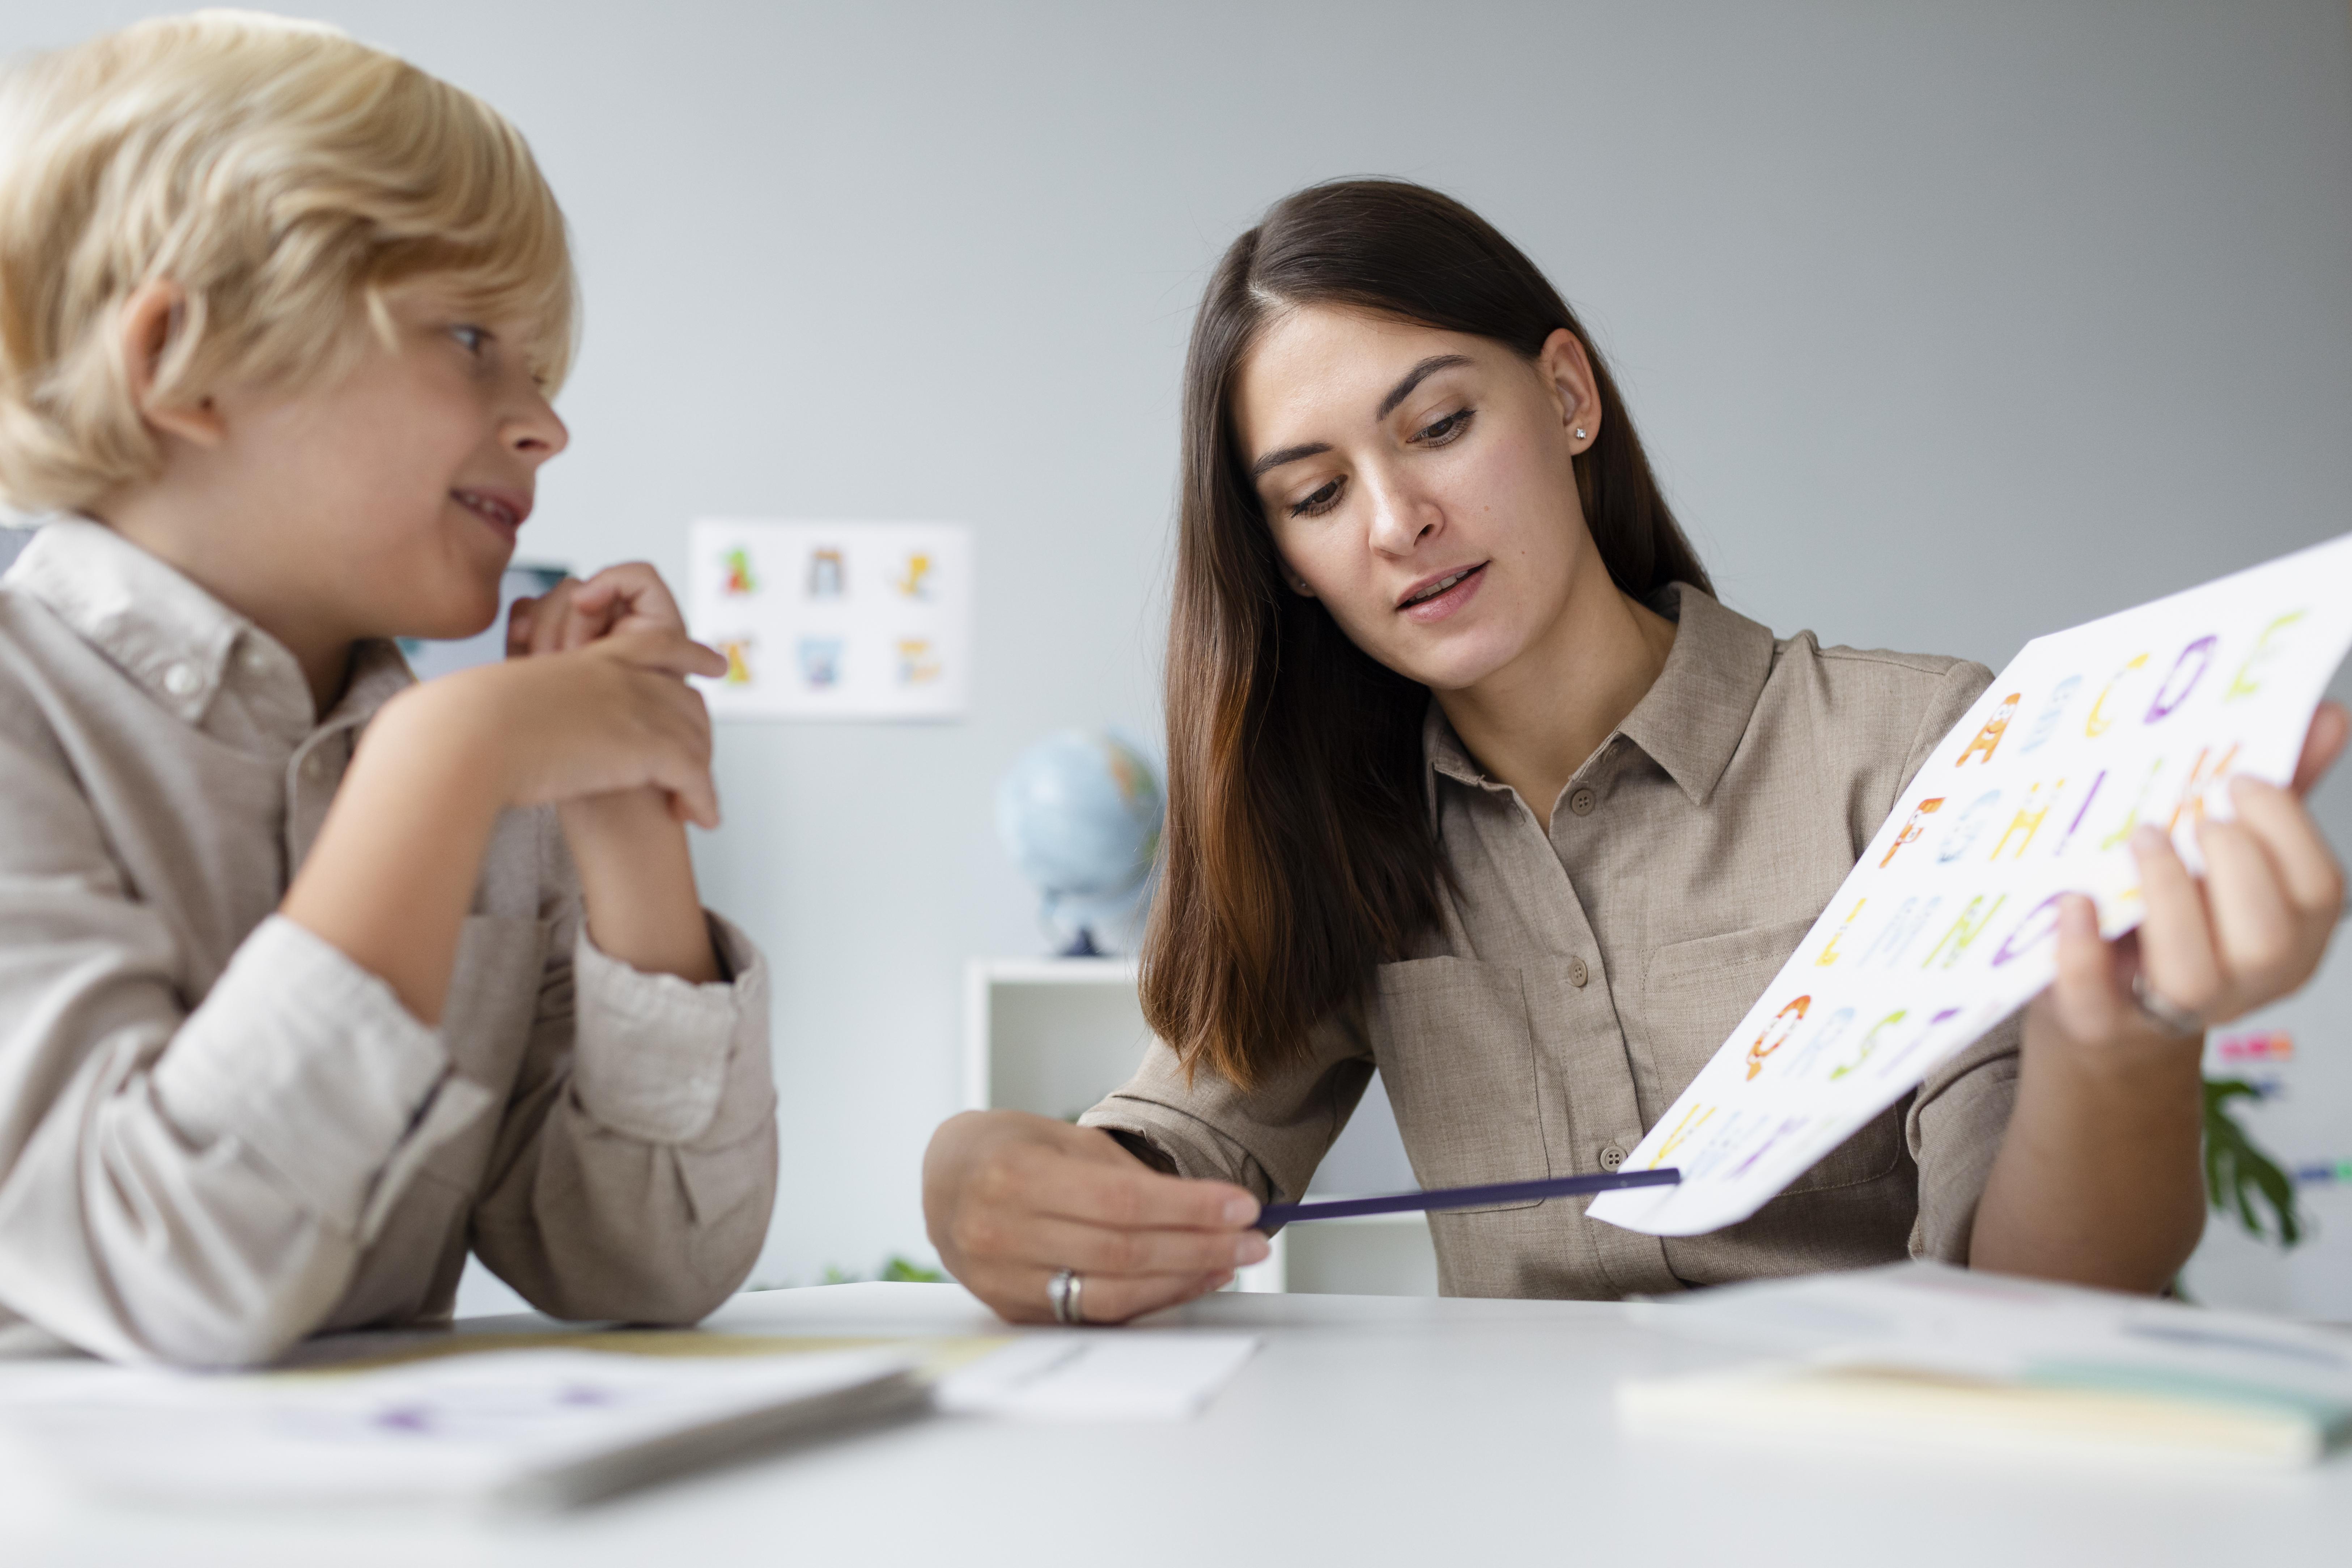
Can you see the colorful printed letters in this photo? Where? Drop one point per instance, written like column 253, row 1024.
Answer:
column 1947, row 923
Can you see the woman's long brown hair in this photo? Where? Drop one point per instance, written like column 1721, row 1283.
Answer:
column 1299, row 850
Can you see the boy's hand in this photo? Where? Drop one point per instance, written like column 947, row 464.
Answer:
column 616, row 715
column 572, row 614
column 630, row 597
column 636, row 878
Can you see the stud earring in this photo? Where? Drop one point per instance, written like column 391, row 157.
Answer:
column 1579, row 432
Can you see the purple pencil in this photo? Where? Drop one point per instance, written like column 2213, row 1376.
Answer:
column 1466, row 1197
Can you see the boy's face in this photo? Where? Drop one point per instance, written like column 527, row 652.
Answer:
column 387, row 504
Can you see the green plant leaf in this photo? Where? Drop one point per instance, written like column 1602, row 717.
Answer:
column 2238, row 1171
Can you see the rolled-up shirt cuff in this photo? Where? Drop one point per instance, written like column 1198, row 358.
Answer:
column 307, row 1060
column 651, row 1051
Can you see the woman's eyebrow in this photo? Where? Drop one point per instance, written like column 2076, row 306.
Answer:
column 1414, row 377
column 1397, row 394
column 1287, row 455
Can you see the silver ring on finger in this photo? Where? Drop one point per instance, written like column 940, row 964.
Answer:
column 1065, row 1290
column 2163, row 1011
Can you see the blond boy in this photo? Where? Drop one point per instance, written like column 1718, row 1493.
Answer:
column 312, row 978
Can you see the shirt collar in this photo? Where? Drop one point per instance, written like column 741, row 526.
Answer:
column 167, row 634
column 1691, row 719
column 1694, row 714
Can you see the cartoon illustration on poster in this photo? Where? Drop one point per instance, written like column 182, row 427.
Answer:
column 861, row 620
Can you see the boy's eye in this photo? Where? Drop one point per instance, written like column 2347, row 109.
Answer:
column 1322, row 501
column 1446, row 429
column 471, row 339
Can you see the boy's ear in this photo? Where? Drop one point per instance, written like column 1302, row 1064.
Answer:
column 149, row 317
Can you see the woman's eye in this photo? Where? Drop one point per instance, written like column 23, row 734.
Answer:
column 1445, row 429
column 1321, row 501
column 471, row 339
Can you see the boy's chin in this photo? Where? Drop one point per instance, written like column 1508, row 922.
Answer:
column 456, row 617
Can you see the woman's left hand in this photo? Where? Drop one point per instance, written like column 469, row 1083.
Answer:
column 2250, row 932
column 2098, row 1180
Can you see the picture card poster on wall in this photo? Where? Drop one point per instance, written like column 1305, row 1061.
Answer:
column 835, row 620
column 1948, row 922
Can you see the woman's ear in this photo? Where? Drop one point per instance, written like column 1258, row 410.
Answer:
column 149, row 317
column 1563, row 363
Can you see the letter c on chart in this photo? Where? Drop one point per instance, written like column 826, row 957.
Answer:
column 1776, row 1034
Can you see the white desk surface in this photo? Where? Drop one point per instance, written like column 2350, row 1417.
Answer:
column 1367, row 1430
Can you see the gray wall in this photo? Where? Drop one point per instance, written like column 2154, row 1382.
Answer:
column 1946, row 326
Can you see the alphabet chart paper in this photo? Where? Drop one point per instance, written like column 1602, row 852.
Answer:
column 1946, row 924
column 835, row 620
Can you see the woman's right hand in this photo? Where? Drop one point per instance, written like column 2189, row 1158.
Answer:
column 616, row 714
column 1012, row 1199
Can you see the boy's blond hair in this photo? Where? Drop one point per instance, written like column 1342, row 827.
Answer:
column 283, row 175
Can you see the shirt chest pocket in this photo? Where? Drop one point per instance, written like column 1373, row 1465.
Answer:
column 1695, row 994
column 1457, row 1056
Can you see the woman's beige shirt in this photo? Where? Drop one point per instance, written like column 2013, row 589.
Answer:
column 218, row 1134
column 1583, row 976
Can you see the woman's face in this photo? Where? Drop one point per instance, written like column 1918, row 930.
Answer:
column 1420, row 484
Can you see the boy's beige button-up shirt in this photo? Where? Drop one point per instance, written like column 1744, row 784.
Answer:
column 1583, row 977
column 218, row 1134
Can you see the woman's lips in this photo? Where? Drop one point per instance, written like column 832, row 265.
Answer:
column 1439, row 605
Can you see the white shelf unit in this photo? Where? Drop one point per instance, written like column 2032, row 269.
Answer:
column 1053, row 1036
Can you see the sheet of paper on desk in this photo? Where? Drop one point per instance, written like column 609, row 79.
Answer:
column 1130, row 1375
column 1946, row 925
column 535, row 1427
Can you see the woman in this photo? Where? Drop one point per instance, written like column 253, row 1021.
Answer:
column 1472, row 780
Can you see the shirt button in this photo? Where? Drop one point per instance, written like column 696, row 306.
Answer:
column 182, row 681
column 1578, row 973
column 255, row 659
column 1611, row 1157
column 1582, row 801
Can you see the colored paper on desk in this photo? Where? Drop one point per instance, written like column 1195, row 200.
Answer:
column 1947, row 923
column 1923, row 1353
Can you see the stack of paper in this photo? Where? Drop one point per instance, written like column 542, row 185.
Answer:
column 531, row 1427
column 562, row 1417
column 1920, row 1351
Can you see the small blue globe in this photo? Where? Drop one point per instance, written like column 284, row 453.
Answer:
column 1080, row 813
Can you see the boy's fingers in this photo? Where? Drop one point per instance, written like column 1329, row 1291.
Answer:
column 548, row 616
column 671, row 652
column 2322, row 744
column 519, row 628
column 2176, row 940
column 2307, row 868
column 634, row 591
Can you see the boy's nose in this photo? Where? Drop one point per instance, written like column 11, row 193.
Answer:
column 537, row 433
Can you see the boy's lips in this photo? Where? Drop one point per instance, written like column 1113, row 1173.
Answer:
column 502, row 510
